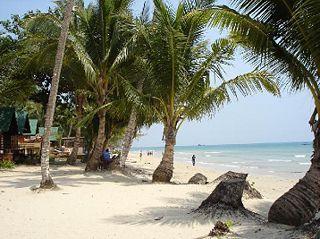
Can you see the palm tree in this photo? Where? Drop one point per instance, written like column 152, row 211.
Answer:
column 47, row 181
column 142, row 24
column 181, row 62
column 99, row 39
column 101, row 48
column 283, row 37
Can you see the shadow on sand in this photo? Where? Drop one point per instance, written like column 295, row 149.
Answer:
column 181, row 214
column 23, row 177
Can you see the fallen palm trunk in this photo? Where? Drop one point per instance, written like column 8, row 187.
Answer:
column 249, row 191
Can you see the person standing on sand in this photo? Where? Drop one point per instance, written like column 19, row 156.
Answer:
column 193, row 160
column 140, row 155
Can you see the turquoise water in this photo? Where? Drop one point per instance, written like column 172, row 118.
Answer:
column 281, row 159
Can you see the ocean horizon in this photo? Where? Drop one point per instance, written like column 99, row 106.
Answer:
column 285, row 159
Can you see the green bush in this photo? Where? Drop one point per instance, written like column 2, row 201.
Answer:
column 6, row 164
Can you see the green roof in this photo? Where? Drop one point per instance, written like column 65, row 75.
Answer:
column 23, row 122
column 33, row 123
column 7, row 116
column 53, row 135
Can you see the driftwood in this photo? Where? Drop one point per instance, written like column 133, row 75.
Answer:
column 226, row 200
column 249, row 191
column 198, row 179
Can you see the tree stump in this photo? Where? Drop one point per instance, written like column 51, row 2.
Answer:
column 198, row 179
column 249, row 191
column 226, row 200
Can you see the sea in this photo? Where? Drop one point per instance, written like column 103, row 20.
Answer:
column 288, row 160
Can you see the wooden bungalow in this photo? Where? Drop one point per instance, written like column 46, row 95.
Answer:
column 31, row 142
column 12, row 126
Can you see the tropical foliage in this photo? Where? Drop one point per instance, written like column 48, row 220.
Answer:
column 181, row 63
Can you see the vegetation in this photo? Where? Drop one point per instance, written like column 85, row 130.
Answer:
column 6, row 164
column 281, row 36
column 181, row 64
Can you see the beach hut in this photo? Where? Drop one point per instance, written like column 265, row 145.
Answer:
column 23, row 125
column 31, row 143
column 9, row 132
column 33, row 125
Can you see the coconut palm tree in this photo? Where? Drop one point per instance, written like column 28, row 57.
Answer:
column 99, row 39
column 47, row 181
column 283, row 37
column 101, row 48
column 181, row 63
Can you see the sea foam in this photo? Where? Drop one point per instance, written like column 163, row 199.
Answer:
column 300, row 156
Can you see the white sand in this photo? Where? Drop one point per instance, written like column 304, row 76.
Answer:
column 105, row 205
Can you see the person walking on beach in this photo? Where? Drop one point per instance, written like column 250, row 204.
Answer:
column 193, row 160
column 140, row 155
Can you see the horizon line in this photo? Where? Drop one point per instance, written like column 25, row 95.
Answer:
column 203, row 145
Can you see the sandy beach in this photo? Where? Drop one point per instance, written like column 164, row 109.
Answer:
column 114, row 205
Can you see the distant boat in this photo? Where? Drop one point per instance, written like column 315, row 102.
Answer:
column 306, row 144
column 200, row 145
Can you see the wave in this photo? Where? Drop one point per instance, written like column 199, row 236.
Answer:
column 280, row 160
column 229, row 165
column 300, row 156
column 183, row 153
column 252, row 167
column 305, row 163
column 205, row 163
column 239, row 162
column 213, row 152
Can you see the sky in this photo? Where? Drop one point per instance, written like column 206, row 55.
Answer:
column 255, row 119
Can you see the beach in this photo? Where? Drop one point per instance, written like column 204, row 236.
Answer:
column 117, row 205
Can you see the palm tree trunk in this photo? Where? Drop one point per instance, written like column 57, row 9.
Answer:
column 79, row 112
column 72, row 159
column 164, row 171
column 131, row 128
column 128, row 138
column 47, row 181
column 301, row 203
column 95, row 159
column 70, row 130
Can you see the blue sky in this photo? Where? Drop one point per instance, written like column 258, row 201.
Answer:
column 260, row 118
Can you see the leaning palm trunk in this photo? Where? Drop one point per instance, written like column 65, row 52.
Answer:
column 131, row 128
column 95, row 157
column 301, row 203
column 128, row 138
column 164, row 171
column 47, row 181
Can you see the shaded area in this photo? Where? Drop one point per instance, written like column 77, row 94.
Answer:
column 67, row 177
column 181, row 213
